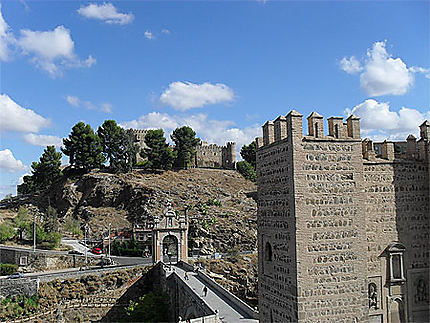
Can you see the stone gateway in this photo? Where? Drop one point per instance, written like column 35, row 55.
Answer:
column 343, row 224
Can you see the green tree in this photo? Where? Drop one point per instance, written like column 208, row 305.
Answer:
column 247, row 171
column 150, row 307
column 23, row 221
column 28, row 186
column 118, row 145
column 110, row 135
column 248, row 153
column 44, row 172
column 51, row 220
column 159, row 154
column 84, row 147
column 125, row 159
column 6, row 232
column 185, row 146
column 47, row 169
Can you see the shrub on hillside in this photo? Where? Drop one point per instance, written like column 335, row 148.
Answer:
column 8, row 269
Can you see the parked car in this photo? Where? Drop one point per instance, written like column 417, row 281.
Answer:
column 75, row 252
column 97, row 251
column 15, row 276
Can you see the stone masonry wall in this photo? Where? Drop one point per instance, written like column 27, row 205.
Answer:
column 328, row 176
column 397, row 209
column 277, row 282
column 30, row 261
column 324, row 223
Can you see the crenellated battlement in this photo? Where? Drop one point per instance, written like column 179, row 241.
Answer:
column 291, row 125
column 333, row 212
column 216, row 156
column 390, row 150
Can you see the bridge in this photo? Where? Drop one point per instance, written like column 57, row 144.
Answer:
column 190, row 302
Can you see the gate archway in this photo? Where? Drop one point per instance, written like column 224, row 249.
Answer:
column 170, row 248
column 170, row 236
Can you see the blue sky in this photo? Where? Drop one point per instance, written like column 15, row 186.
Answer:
column 222, row 67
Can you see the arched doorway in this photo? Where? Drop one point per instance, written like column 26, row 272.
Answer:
column 396, row 312
column 170, row 249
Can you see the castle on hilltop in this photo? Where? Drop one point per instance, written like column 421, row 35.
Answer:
column 343, row 224
column 207, row 155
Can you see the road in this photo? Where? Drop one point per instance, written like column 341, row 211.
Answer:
column 76, row 245
column 61, row 273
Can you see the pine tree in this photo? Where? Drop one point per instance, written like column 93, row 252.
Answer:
column 28, row 186
column 84, row 147
column 125, row 157
column 44, row 172
column 159, row 154
column 118, row 146
column 47, row 169
column 110, row 135
column 185, row 146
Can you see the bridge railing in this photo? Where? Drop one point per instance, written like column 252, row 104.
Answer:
column 237, row 302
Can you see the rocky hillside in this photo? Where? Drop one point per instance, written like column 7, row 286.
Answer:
column 100, row 198
column 237, row 273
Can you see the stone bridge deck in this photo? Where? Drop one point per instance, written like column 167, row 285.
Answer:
column 226, row 306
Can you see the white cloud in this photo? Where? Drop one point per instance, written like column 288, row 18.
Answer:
column 73, row 100
column 107, row 13
column 165, row 31
column 350, row 65
column 214, row 131
column 16, row 118
column 106, row 107
column 6, row 39
column 186, row 95
column 148, row 35
column 378, row 121
column 43, row 140
column 418, row 69
column 77, row 102
column 381, row 73
column 52, row 50
column 9, row 163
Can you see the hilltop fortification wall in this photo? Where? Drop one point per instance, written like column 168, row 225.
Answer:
column 207, row 155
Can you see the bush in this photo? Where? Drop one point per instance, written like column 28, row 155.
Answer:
column 6, row 232
column 213, row 202
column 8, row 269
column 127, row 248
column 247, row 171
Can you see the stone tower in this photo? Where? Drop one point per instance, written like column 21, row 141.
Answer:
column 311, row 223
column 229, row 156
column 342, row 223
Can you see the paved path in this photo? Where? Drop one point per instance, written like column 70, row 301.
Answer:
column 75, row 245
column 226, row 312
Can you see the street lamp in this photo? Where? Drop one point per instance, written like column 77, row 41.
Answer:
column 109, row 242
column 34, row 232
column 85, row 243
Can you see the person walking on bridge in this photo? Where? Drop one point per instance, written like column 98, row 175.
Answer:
column 205, row 291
